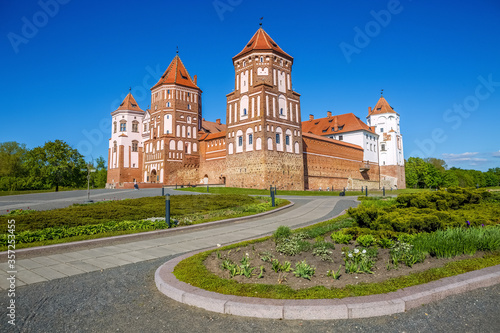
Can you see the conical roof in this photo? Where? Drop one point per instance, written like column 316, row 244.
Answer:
column 261, row 41
column 129, row 103
column 176, row 73
column 382, row 107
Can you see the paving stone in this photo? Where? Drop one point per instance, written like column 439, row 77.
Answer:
column 114, row 260
column 45, row 261
column 86, row 267
column 28, row 264
column 126, row 256
column 67, row 269
column 48, row 273
column 99, row 263
column 30, row 277
column 79, row 255
column 61, row 257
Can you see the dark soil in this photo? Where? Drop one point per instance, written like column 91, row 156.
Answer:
column 320, row 278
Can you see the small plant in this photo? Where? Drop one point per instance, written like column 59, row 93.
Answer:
column 340, row 238
column 303, row 270
column 322, row 250
column 266, row 256
column 294, row 245
column 245, row 268
column 282, row 278
column 262, row 270
column 405, row 253
column 218, row 255
column 277, row 267
column 283, row 232
column 385, row 243
column 333, row 274
column 358, row 261
column 366, row 240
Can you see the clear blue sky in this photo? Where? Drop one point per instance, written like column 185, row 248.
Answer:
column 65, row 68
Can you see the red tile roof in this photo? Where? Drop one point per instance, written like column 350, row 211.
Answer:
column 323, row 138
column 176, row 73
column 211, row 136
column 212, row 127
column 344, row 123
column 382, row 107
column 129, row 103
column 261, row 41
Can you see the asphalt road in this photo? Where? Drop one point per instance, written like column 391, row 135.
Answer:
column 53, row 200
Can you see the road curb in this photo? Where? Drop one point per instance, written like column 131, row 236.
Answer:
column 321, row 309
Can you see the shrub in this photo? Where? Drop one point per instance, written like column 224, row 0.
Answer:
column 282, row 233
column 340, row 238
column 366, row 240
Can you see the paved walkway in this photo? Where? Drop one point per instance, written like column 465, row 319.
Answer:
column 36, row 268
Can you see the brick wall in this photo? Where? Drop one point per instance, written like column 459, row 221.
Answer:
column 393, row 175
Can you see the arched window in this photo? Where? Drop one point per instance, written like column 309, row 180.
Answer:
column 168, row 104
column 288, row 140
column 114, row 127
column 249, row 134
column 179, row 145
column 172, row 145
column 261, row 59
column 239, row 141
column 279, row 141
column 135, row 144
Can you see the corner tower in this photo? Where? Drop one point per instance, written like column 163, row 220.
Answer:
column 125, row 145
column 264, row 134
column 385, row 122
column 171, row 128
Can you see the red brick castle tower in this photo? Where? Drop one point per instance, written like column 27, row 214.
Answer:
column 264, row 135
column 171, row 130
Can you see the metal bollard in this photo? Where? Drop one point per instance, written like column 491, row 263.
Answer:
column 383, row 191
column 167, row 209
column 207, row 189
column 162, row 191
column 366, row 189
column 272, row 199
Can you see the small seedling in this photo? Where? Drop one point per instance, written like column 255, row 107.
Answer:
column 335, row 275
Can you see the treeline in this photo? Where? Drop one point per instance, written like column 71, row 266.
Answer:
column 434, row 173
column 49, row 166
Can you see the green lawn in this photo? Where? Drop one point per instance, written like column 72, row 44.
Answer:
column 6, row 193
column 251, row 191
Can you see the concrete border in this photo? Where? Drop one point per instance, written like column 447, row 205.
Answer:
column 321, row 309
column 40, row 250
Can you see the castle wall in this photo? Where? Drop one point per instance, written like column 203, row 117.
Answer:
column 331, row 164
column 392, row 176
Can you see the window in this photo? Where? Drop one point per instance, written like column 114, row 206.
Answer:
column 244, row 63
column 240, row 141
column 114, row 147
column 168, row 104
column 281, row 111
column 168, row 91
column 250, row 139
column 189, row 94
column 123, row 127
column 244, row 111
column 277, row 139
column 114, row 127
column 382, row 130
column 261, row 59
column 341, row 137
column 382, row 147
column 341, row 128
column 189, row 106
column 134, row 146
column 287, row 140
column 135, row 127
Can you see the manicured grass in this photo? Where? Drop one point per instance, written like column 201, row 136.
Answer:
column 193, row 271
column 61, row 189
column 252, row 191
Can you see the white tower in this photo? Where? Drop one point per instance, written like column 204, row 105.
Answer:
column 385, row 121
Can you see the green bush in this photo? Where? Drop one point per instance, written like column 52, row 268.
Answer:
column 341, row 238
column 304, row 270
column 283, row 232
column 366, row 240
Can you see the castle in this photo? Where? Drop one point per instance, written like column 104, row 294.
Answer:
column 264, row 142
